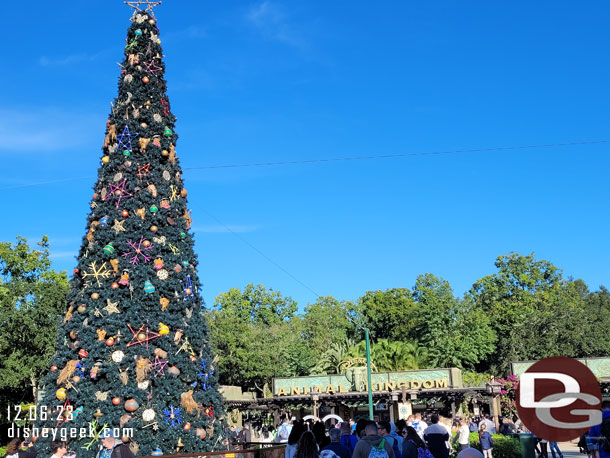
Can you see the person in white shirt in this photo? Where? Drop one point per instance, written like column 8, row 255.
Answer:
column 463, row 435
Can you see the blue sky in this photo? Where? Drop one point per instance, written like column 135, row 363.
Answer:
column 271, row 80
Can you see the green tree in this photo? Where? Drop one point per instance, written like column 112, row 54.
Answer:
column 326, row 322
column 534, row 311
column 389, row 356
column 32, row 297
column 454, row 333
column 388, row 314
column 134, row 330
column 254, row 337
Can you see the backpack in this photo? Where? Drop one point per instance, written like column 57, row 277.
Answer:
column 604, row 431
column 379, row 451
column 397, row 452
column 422, row 452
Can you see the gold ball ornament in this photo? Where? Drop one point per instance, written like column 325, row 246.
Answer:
column 201, row 433
column 154, row 228
column 141, row 337
column 164, row 153
column 146, row 243
column 105, row 160
column 151, row 22
column 184, row 192
column 82, row 308
column 143, row 125
column 61, row 394
column 95, row 296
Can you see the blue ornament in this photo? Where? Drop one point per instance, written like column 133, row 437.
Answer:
column 149, row 287
column 138, row 32
column 173, row 416
column 156, row 452
column 104, row 221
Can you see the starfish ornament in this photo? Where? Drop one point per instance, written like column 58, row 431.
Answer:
column 118, row 226
column 111, row 307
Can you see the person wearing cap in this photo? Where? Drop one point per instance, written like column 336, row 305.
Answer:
column 112, row 447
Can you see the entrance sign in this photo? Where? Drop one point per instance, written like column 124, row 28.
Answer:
column 354, row 382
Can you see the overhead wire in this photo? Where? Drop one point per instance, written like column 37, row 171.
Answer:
column 338, row 159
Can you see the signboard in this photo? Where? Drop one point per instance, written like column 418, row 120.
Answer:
column 355, row 381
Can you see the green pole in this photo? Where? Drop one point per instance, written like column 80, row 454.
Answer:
column 368, row 372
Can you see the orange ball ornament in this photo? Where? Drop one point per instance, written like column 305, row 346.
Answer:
column 184, row 192
column 95, row 296
column 124, row 213
column 146, row 80
column 110, row 341
column 115, row 285
column 187, row 426
column 116, row 401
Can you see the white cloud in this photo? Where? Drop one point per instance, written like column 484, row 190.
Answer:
column 219, row 228
column 63, row 254
column 272, row 22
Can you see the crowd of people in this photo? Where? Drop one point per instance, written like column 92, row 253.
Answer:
column 418, row 436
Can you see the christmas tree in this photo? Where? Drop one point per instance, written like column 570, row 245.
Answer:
column 133, row 348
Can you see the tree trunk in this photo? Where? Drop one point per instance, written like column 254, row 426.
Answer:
column 34, row 388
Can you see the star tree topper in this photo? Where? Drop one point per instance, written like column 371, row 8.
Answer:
column 150, row 5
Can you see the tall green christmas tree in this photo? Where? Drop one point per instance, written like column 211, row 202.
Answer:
column 133, row 348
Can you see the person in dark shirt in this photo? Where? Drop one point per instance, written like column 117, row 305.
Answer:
column 436, row 436
column 411, row 443
column 335, row 444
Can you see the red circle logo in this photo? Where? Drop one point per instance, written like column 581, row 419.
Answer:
column 559, row 399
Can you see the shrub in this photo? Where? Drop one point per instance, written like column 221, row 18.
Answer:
column 504, row 446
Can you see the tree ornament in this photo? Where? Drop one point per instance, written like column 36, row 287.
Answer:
column 156, row 452
column 183, row 193
column 146, row 243
column 148, row 415
column 101, row 335
column 111, row 307
column 137, row 251
column 131, row 405
column 60, row 394
column 124, row 278
column 109, row 249
column 142, row 336
column 187, row 426
column 145, row 79
column 114, row 285
column 116, row 401
column 173, row 416
column 117, row 356
column 163, row 274
column 95, row 296
column 154, row 229
column 164, row 303
column 118, row 226
column 144, row 141
column 114, row 263
column 124, row 214
column 53, row 368
column 167, row 132
column 153, row 209
column 103, row 222
column 109, row 341
column 158, row 264
column 148, row 287
column 138, row 32
column 83, row 353
column 165, row 204
column 188, row 288
column 163, row 329
column 200, row 433
column 97, row 273
column 125, row 139
column 105, row 159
